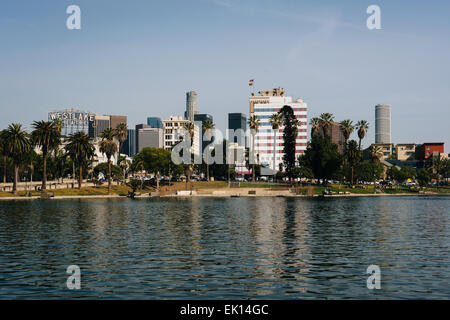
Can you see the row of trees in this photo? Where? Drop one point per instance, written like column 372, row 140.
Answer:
column 17, row 148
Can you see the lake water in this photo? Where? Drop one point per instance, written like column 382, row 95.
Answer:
column 233, row 248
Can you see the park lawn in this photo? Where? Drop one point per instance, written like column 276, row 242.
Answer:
column 86, row 191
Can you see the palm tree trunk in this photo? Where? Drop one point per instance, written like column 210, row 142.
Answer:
column 80, row 177
column 253, row 172
column 16, row 175
column 359, row 144
column 352, row 176
column 4, row 169
column 274, row 147
column 157, row 181
column 207, row 172
column 44, row 171
column 253, row 158
column 109, row 176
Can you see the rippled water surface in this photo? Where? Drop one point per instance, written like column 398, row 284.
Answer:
column 211, row 248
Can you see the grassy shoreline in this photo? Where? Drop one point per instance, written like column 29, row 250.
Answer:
column 212, row 188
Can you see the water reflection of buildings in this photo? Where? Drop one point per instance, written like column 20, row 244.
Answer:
column 281, row 234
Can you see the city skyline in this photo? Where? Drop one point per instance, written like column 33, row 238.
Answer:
column 323, row 54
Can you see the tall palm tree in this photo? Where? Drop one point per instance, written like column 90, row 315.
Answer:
column 315, row 126
column 207, row 125
column 362, row 126
column 376, row 153
column 80, row 149
column 18, row 144
column 254, row 124
column 190, row 129
column 276, row 120
column 347, row 129
column 3, row 152
column 353, row 156
column 47, row 136
column 109, row 148
column 326, row 121
column 121, row 134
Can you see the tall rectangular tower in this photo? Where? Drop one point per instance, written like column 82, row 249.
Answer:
column 383, row 123
column 264, row 106
column 191, row 106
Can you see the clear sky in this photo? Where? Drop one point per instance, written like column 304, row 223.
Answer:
column 139, row 57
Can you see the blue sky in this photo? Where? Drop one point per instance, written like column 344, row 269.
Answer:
column 139, row 58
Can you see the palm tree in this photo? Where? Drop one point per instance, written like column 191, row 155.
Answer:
column 47, row 136
column 326, row 121
column 276, row 120
column 254, row 126
column 121, row 134
column 3, row 152
column 108, row 147
column 190, row 129
column 315, row 126
column 80, row 149
column 353, row 156
column 18, row 144
column 362, row 126
column 375, row 154
column 347, row 129
column 207, row 125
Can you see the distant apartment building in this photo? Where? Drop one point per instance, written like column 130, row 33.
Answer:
column 237, row 121
column 99, row 125
column 148, row 137
column 203, row 117
column 429, row 149
column 265, row 105
column 191, row 105
column 116, row 120
column 387, row 150
column 129, row 145
column 155, row 122
column 405, row 151
column 173, row 129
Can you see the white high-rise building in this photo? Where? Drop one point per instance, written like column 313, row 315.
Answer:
column 265, row 105
column 173, row 133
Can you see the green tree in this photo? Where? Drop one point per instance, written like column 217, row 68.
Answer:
column 156, row 161
column 326, row 121
column 353, row 157
column 322, row 157
column 290, row 132
column 80, row 149
column 121, row 133
column 47, row 136
column 109, row 148
column 315, row 126
column 347, row 129
column 369, row 171
column 362, row 126
column 18, row 144
column 423, row 177
column 104, row 168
